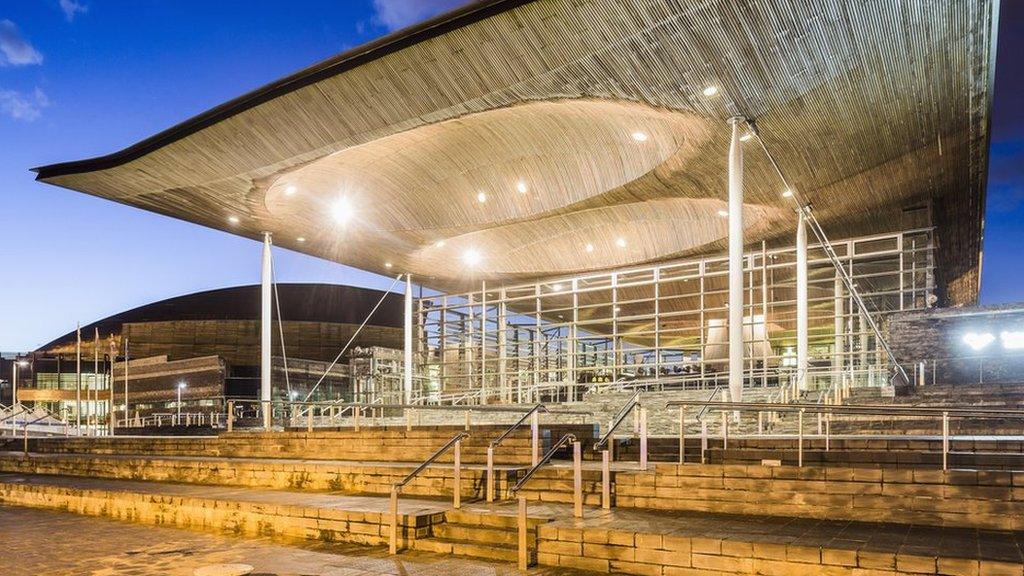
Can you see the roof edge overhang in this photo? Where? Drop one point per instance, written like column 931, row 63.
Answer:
column 348, row 60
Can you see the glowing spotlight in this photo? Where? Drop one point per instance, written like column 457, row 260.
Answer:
column 617, row 309
column 290, row 191
column 521, row 187
column 481, row 197
column 342, row 210
column 711, row 91
column 639, row 136
column 1012, row 340
column 787, row 193
column 439, row 244
column 620, row 242
column 387, row 264
column 723, row 213
column 471, row 257
column 589, row 247
column 556, row 287
column 746, row 137
column 301, row 239
column 978, row 341
column 233, row 219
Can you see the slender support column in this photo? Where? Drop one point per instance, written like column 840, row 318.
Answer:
column 801, row 302
column 577, row 480
column 735, row 263
column 78, row 379
column 606, row 480
column 265, row 321
column 837, row 346
column 407, row 359
column 521, row 526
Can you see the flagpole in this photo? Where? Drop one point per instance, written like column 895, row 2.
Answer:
column 78, row 378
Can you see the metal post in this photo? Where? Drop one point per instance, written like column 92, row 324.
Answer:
column 469, row 417
column 407, row 368
column 268, row 416
column 725, row 430
column 801, row 302
column 457, row 476
column 682, row 434
column 231, row 415
column 393, row 540
column 357, row 411
column 945, row 440
column 643, row 438
column 78, row 379
column 606, row 480
column 828, row 430
column 577, row 480
column 490, row 473
column 524, row 554
column 309, row 419
column 800, row 438
column 703, row 441
column 760, row 423
column 534, row 439
column 266, row 277
column 408, row 419
column 735, row 262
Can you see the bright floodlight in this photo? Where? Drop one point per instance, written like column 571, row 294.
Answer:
column 787, row 193
column 639, row 136
column 439, row 244
column 978, row 341
column 556, row 287
column 289, row 191
column 521, row 187
column 723, row 213
column 471, row 257
column 481, row 197
column 746, row 137
column 301, row 239
column 388, row 264
column 589, row 247
column 1012, row 340
column 233, row 219
column 711, row 91
column 342, row 210
column 182, row 385
column 620, row 242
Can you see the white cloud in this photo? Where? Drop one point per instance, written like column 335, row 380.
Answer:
column 15, row 50
column 21, row 105
column 71, row 8
column 395, row 14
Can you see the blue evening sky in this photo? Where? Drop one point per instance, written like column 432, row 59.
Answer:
column 81, row 78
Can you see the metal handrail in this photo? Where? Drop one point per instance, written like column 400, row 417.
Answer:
column 497, row 441
column 711, row 397
column 440, row 451
column 633, row 402
column 568, row 438
column 22, row 410
column 869, row 409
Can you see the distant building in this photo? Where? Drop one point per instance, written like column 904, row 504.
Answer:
column 209, row 342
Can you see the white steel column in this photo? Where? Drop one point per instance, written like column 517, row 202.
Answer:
column 265, row 321
column 801, row 301
column 407, row 358
column 735, row 263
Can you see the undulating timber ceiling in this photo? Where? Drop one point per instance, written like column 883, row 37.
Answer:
column 514, row 140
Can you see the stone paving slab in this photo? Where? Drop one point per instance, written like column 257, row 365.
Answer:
column 124, row 549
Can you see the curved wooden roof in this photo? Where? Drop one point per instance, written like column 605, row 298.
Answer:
column 586, row 129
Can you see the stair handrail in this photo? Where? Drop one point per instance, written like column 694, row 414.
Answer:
column 437, row 454
column 711, row 397
column 620, row 416
column 567, row 439
column 536, row 409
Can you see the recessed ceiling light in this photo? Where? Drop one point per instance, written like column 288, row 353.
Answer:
column 639, row 136
column 521, row 187
column 787, row 193
column 617, row 309
column 289, row 191
column 589, row 247
column 471, row 257
column 387, row 264
column 481, row 197
column 723, row 213
column 746, row 137
column 620, row 242
column 301, row 239
column 711, row 91
column 556, row 287
column 342, row 210
column 233, row 219
column 439, row 244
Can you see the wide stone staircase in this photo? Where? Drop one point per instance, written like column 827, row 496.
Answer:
column 865, row 506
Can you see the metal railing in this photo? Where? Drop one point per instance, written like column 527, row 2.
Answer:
column 941, row 414
column 640, row 428
column 456, row 443
column 577, row 470
column 533, row 415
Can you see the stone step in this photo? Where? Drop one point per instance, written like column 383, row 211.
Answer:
column 479, row 534
column 486, row 551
